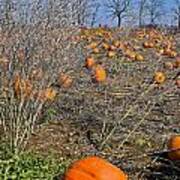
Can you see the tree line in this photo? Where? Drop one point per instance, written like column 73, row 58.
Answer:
column 87, row 12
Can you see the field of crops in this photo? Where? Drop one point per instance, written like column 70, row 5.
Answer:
column 113, row 92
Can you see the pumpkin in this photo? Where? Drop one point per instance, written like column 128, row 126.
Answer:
column 159, row 77
column 130, row 54
column 112, row 48
column 122, row 46
column 47, row 94
column 90, row 62
column 177, row 82
column 161, row 51
column 173, row 54
column 148, row 44
column 174, row 147
column 168, row 65
column 116, row 43
column 177, row 62
column 92, row 45
column 94, row 168
column 64, row 80
column 99, row 74
column 96, row 50
column 170, row 53
column 167, row 51
column 105, row 46
column 111, row 54
column 139, row 57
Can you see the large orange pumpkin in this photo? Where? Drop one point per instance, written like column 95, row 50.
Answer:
column 174, row 147
column 94, row 168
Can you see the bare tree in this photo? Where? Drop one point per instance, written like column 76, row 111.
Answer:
column 176, row 11
column 7, row 7
column 94, row 14
column 155, row 10
column 118, row 9
column 80, row 11
column 141, row 11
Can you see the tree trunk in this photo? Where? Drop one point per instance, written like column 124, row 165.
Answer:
column 152, row 19
column 140, row 16
column 140, row 20
column 119, row 21
column 179, row 22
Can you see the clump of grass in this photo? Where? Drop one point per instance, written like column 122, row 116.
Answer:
column 30, row 166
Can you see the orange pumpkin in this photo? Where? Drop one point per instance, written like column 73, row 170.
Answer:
column 122, row 46
column 177, row 62
column 111, row 54
column 177, row 82
column 92, row 45
column 65, row 80
column 116, row 43
column 159, row 77
column 99, row 73
column 90, row 62
column 94, row 168
column 105, row 46
column 46, row 94
column 170, row 53
column 167, row 51
column 148, row 44
column 130, row 54
column 139, row 57
column 173, row 54
column 112, row 48
column 174, row 147
column 96, row 50
column 160, row 51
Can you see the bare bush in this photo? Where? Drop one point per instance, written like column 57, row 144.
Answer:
column 33, row 55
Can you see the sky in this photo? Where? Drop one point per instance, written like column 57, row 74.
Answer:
column 104, row 19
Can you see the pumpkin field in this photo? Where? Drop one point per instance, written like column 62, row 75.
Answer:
column 107, row 92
